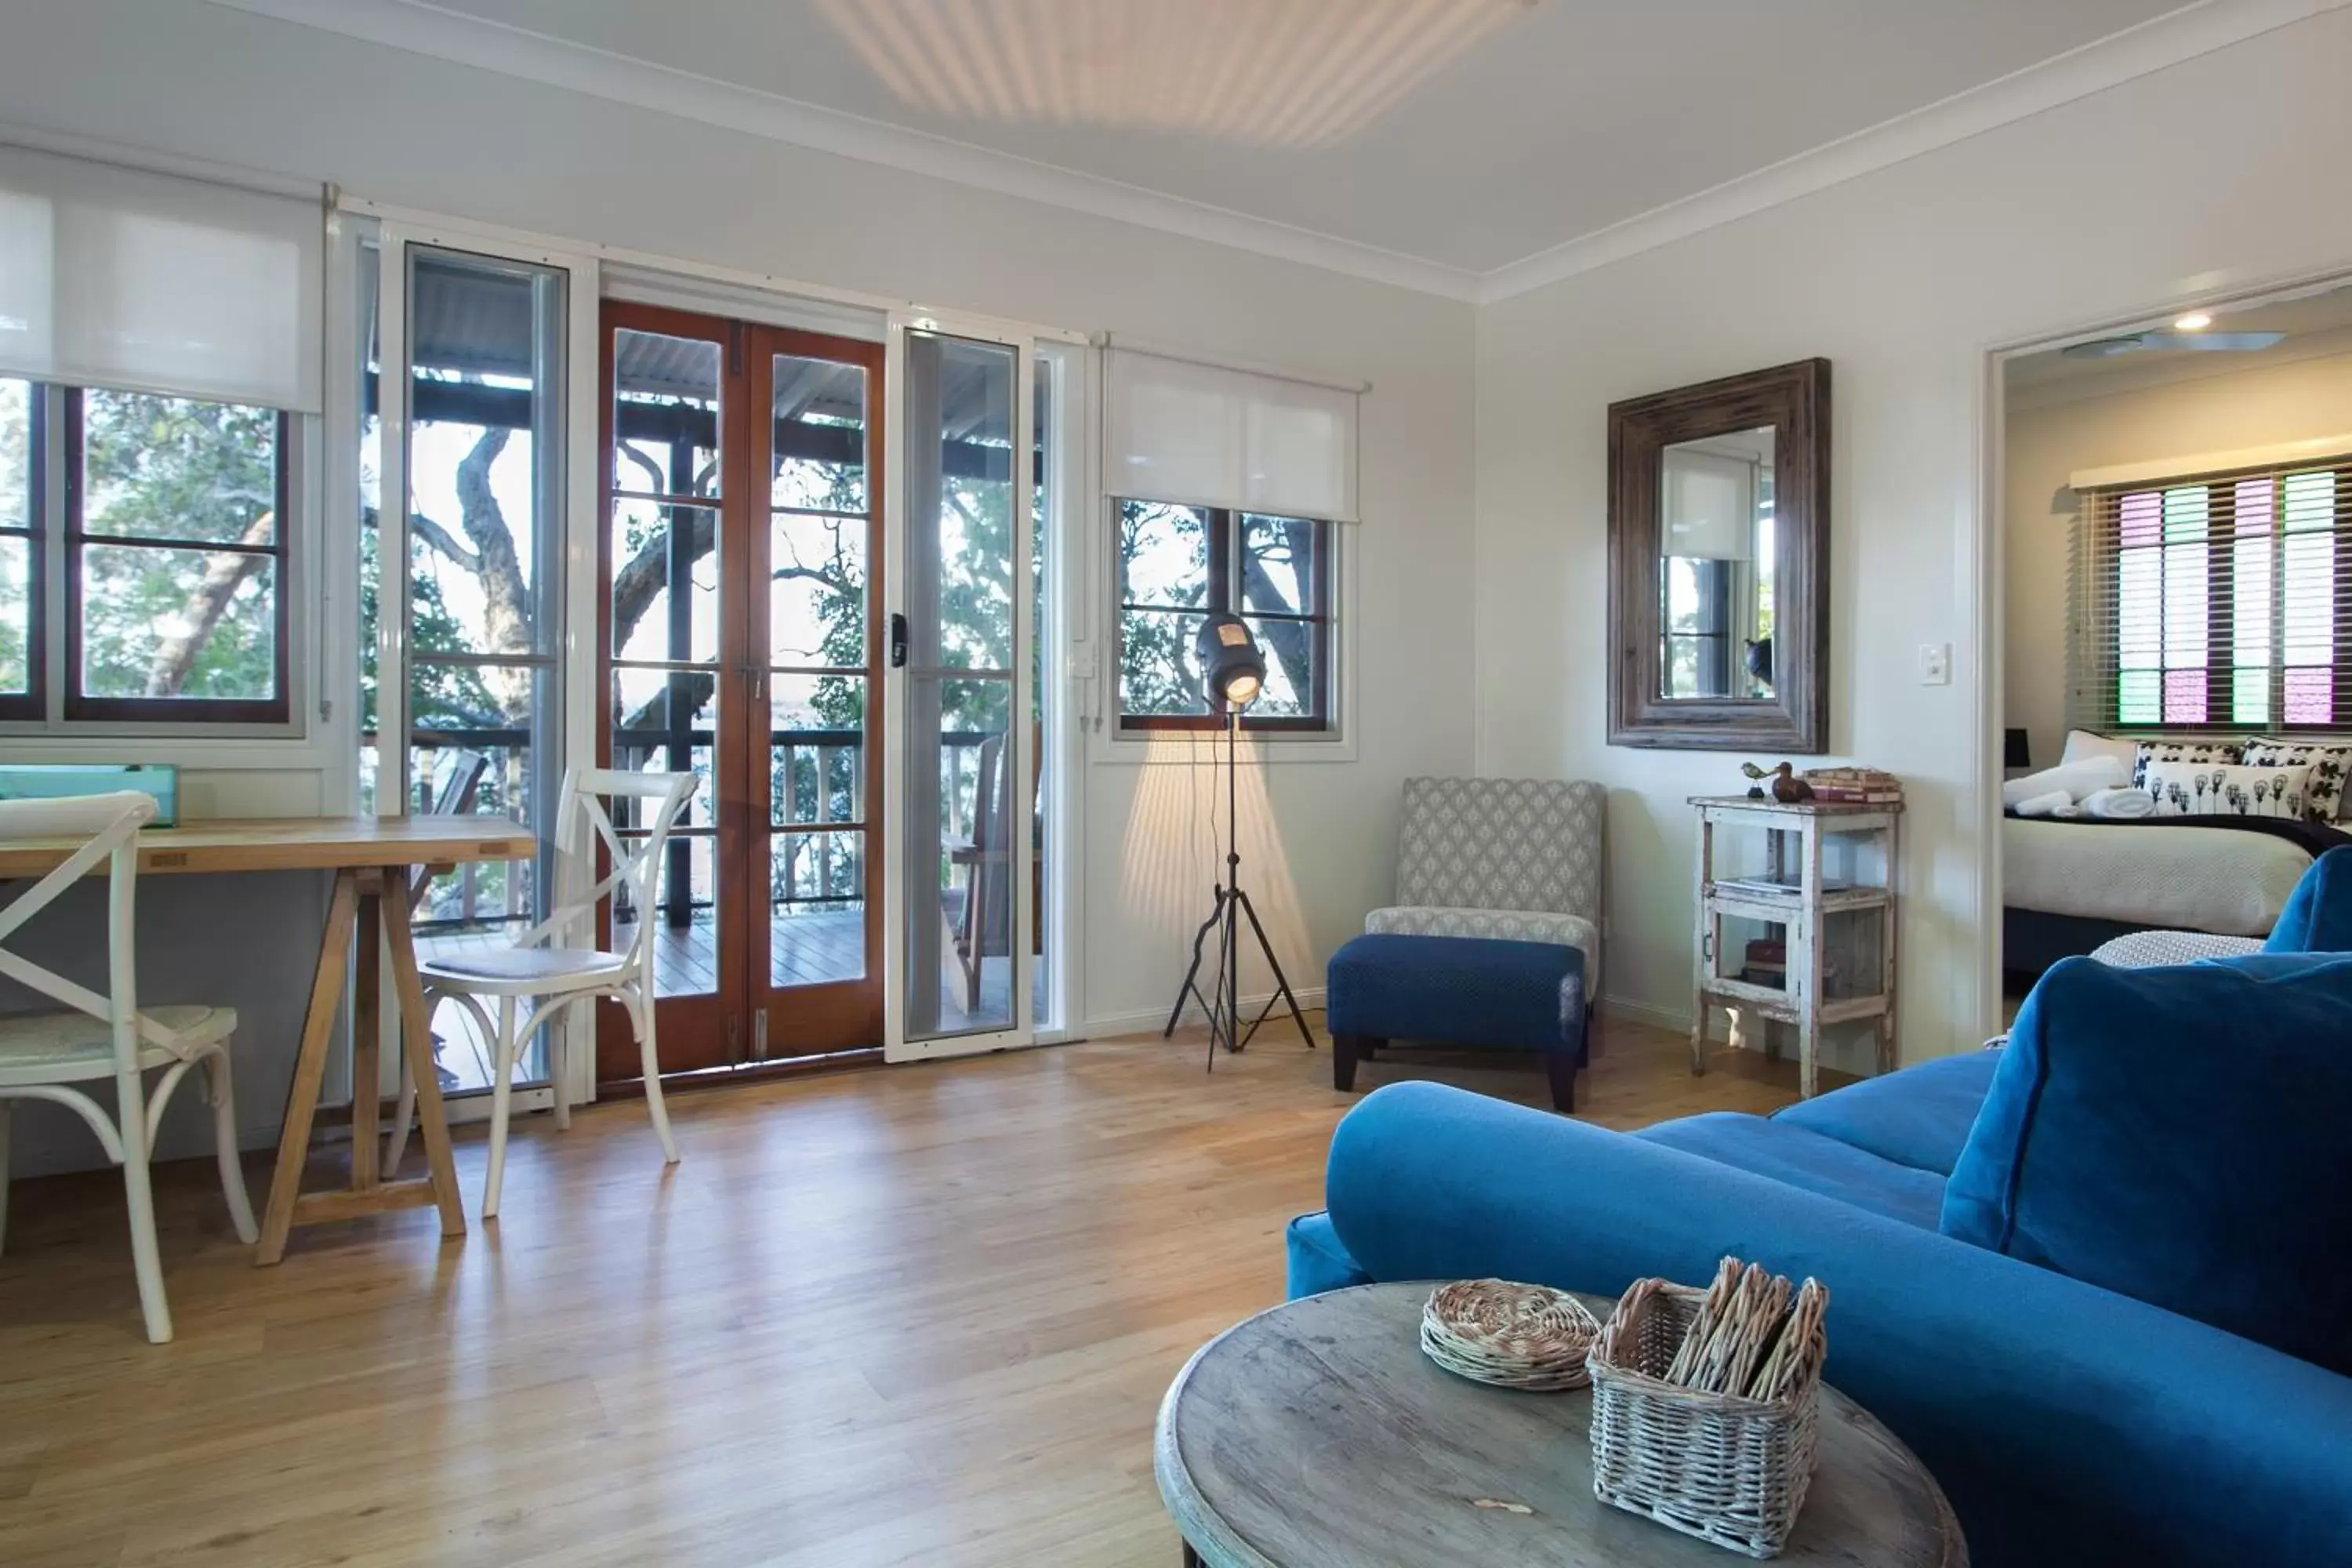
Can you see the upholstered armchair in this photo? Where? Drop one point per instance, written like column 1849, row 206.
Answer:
column 1518, row 859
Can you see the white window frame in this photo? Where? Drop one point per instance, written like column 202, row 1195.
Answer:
column 1075, row 372
column 575, row 647
column 1334, row 742
column 198, row 744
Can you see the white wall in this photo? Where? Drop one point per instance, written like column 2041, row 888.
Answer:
column 222, row 85
column 2088, row 425
column 2194, row 181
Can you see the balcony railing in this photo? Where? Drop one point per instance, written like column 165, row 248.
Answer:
column 479, row 895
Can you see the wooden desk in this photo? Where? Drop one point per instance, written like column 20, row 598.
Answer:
column 373, row 858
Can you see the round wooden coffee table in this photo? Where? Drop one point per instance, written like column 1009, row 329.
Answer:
column 1318, row 1434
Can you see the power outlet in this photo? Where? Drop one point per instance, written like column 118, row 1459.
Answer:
column 1935, row 664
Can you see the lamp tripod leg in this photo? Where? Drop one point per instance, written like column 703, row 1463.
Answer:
column 1193, row 975
column 1282, row 992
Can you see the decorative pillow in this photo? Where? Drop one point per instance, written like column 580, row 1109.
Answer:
column 2323, row 795
column 2318, row 913
column 2176, row 752
column 2082, row 746
column 2228, row 789
column 2116, row 1146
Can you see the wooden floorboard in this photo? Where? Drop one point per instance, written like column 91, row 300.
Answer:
column 901, row 1315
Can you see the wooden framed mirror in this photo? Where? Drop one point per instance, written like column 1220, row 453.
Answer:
column 1719, row 562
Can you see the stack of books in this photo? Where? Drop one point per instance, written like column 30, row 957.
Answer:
column 1855, row 786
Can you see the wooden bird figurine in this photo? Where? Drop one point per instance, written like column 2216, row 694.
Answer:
column 1787, row 787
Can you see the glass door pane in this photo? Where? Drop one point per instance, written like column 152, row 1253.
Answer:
column 968, row 812
column 477, row 585
column 671, row 603
column 818, row 653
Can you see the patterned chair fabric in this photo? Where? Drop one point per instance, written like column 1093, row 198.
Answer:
column 1518, row 859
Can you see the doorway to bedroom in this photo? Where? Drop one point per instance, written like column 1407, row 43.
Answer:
column 2177, row 702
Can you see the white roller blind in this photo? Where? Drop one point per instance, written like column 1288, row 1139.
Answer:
column 114, row 277
column 1194, row 433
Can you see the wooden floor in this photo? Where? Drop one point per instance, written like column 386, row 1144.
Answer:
column 806, row 950
column 903, row 1315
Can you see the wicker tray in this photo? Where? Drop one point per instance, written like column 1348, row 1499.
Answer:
column 1526, row 1337
column 1726, row 1468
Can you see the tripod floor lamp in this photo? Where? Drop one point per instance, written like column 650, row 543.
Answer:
column 1233, row 675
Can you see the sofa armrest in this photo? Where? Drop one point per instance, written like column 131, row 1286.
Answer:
column 2066, row 1423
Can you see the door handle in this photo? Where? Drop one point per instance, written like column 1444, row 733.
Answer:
column 898, row 641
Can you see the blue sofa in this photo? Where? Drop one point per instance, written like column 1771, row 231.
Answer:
column 2068, row 1423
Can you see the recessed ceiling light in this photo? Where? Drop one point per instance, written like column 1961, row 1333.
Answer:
column 2195, row 321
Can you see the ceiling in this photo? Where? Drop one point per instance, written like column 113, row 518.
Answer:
column 1439, row 143
column 2318, row 323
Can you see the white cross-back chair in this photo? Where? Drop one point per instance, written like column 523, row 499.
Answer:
column 543, row 966
column 48, row 1055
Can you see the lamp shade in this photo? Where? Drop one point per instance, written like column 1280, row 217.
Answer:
column 1233, row 668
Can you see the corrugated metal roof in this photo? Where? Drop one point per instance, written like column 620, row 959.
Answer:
column 478, row 322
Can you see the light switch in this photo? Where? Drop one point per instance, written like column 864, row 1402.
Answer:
column 1935, row 664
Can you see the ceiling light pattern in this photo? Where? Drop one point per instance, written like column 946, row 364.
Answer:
column 1271, row 73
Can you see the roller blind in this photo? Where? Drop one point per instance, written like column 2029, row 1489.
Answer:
column 144, row 282
column 2215, row 600
column 1175, row 431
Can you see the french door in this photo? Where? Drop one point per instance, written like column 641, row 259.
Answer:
column 738, row 641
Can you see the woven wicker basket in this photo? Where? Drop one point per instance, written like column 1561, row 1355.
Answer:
column 1726, row 1470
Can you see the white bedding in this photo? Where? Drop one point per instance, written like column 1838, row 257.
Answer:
column 2183, row 879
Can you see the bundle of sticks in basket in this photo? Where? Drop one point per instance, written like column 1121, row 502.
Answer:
column 1748, row 1337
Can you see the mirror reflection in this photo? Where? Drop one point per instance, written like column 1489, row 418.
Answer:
column 1715, row 575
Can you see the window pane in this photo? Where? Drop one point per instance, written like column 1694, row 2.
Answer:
column 820, row 435
column 1290, row 674
column 685, row 943
column 1157, row 672
column 1279, row 568
column 817, row 902
column 2310, row 503
column 2310, row 696
column 816, row 590
column 2186, row 587
column 499, row 759
column 2139, row 609
column 15, row 614
column 1164, row 554
column 2136, row 698
column 2185, row 512
column 168, row 467
column 485, row 406
column 667, row 721
column 817, row 741
column 2184, row 697
column 647, row 623
column 167, row 623
column 2307, row 633
column 2250, row 696
column 664, row 415
column 15, row 455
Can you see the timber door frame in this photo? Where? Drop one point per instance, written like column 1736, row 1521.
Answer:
column 745, row 1020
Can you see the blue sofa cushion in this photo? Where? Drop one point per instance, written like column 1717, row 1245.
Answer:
column 2176, row 1134
column 1317, row 1260
column 1458, row 991
column 1804, row 1159
column 2318, row 913
column 1919, row 1117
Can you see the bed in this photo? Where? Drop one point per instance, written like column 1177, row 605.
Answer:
column 2068, row 886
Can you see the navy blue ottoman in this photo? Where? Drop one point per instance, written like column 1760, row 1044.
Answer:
column 1458, row 991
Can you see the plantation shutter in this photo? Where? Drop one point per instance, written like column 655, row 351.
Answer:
column 2213, row 601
